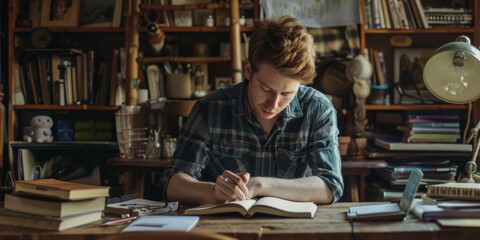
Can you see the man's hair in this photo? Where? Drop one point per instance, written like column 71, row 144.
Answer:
column 286, row 45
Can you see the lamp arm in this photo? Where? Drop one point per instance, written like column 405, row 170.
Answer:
column 471, row 166
column 473, row 132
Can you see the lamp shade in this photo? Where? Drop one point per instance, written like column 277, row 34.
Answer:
column 452, row 74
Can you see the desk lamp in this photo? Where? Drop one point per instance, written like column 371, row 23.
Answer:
column 452, row 74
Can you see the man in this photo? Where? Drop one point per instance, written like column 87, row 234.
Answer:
column 268, row 136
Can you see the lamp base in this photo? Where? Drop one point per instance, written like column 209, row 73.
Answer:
column 467, row 180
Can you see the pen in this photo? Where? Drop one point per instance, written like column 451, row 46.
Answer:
column 230, row 181
column 118, row 221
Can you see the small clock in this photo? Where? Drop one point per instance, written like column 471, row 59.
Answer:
column 40, row 37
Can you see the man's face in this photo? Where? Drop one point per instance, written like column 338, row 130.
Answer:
column 59, row 8
column 269, row 92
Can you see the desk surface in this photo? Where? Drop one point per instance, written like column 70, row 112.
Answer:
column 329, row 223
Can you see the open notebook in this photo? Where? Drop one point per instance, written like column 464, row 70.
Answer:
column 389, row 211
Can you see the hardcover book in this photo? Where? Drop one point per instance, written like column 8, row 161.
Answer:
column 427, row 211
column 56, row 189
column 52, row 208
column 16, row 219
column 401, row 146
column 266, row 205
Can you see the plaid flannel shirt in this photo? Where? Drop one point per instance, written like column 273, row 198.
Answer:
column 222, row 134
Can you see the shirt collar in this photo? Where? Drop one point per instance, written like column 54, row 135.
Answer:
column 293, row 110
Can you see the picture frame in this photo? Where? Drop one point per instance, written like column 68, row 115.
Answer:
column 60, row 13
column 408, row 64
column 98, row 14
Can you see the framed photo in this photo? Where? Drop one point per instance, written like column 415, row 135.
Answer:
column 96, row 13
column 60, row 13
column 408, row 64
column 221, row 82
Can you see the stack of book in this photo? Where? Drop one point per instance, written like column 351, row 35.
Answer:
column 434, row 172
column 447, row 201
column 51, row 204
column 431, row 128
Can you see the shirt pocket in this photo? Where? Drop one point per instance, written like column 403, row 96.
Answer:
column 230, row 150
column 292, row 164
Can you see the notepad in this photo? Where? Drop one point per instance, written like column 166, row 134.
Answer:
column 390, row 211
column 162, row 223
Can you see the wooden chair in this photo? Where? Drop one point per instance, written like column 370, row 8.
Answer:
column 174, row 235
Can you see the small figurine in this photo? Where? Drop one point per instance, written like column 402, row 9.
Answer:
column 40, row 129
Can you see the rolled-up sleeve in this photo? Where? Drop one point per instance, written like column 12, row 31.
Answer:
column 324, row 159
column 191, row 154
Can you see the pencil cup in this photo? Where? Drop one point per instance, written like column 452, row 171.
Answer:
column 131, row 132
column 377, row 95
column 179, row 85
column 168, row 146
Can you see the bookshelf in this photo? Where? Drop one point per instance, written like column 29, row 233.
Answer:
column 72, row 37
column 383, row 39
column 100, row 39
column 433, row 37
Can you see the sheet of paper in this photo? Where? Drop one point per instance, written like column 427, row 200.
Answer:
column 162, row 223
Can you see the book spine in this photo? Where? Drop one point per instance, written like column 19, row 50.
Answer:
column 434, row 130
column 422, row 13
column 425, row 169
column 90, row 76
column 433, row 117
column 386, row 14
column 436, row 124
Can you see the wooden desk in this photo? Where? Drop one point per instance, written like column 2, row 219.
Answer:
column 329, row 223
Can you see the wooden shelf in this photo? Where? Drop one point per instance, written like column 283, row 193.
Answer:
column 440, row 30
column 416, row 107
column 147, row 164
column 199, row 29
column 148, row 60
column 68, row 107
column 191, row 6
column 72, row 30
column 64, row 145
column 184, row 7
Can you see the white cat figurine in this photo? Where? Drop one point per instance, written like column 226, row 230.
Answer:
column 40, row 129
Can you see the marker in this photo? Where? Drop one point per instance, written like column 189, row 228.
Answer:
column 230, row 181
column 118, row 221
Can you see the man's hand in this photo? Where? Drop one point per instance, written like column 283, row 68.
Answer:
column 231, row 187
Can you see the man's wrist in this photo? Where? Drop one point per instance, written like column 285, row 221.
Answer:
column 212, row 196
